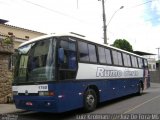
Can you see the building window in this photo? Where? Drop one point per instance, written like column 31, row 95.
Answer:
column 149, row 66
column 12, row 61
column 154, row 66
column 27, row 37
column 10, row 33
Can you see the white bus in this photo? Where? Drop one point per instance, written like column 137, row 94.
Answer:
column 62, row 72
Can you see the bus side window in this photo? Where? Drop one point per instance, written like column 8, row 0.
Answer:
column 117, row 58
column 72, row 56
column 145, row 63
column 83, row 51
column 134, row 61
column 104, row 55
column 108, row 56
column 87, row 52
column 69, row 66
column 92, row 53
column 126, row 59
column 140, row 63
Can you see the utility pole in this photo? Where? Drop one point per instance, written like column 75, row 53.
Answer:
column 158, row 53
column 104, row 23
column 77, row 4
column 158, row 58
column 104, row 20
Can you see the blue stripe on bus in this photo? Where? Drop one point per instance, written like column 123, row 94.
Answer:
column 68, row 97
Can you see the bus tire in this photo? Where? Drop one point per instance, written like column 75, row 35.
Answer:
column 140, row 89
column 90, row 100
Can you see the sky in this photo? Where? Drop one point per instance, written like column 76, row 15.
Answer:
column 138, row 22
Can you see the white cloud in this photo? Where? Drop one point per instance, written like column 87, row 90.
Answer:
column 155, row 5
column 130, row 24
column 63, row 15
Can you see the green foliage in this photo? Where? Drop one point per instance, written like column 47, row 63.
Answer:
column 123, row 44
column 7, row 40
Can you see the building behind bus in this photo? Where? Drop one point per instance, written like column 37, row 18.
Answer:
column 10, row 38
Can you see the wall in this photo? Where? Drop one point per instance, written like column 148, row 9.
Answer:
column 5, row 74
column 19, row 32
column 152, row 64
column 155, row 76
column 5, row 52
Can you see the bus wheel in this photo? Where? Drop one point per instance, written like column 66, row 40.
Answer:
column 140, row 89
column 90, row 100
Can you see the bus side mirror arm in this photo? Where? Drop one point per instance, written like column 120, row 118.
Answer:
column 60, row 55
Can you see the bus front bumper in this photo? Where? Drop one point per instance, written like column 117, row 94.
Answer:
column 33, row 104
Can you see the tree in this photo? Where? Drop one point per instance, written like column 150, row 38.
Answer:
column 123, row 44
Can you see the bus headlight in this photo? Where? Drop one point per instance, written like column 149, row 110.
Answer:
column 46, row 93
column 15, row 93
column 43, row 93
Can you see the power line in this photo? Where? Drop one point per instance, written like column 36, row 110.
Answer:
column 52, row 10
column 143, row 3
column 55, row 11
column 72, row 17
column 69, row 16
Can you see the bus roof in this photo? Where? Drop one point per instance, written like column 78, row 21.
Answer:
column 71, row 34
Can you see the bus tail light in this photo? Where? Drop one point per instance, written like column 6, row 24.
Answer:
column 46, row 93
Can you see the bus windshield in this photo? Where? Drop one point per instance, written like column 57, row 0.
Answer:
column 36, row 62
